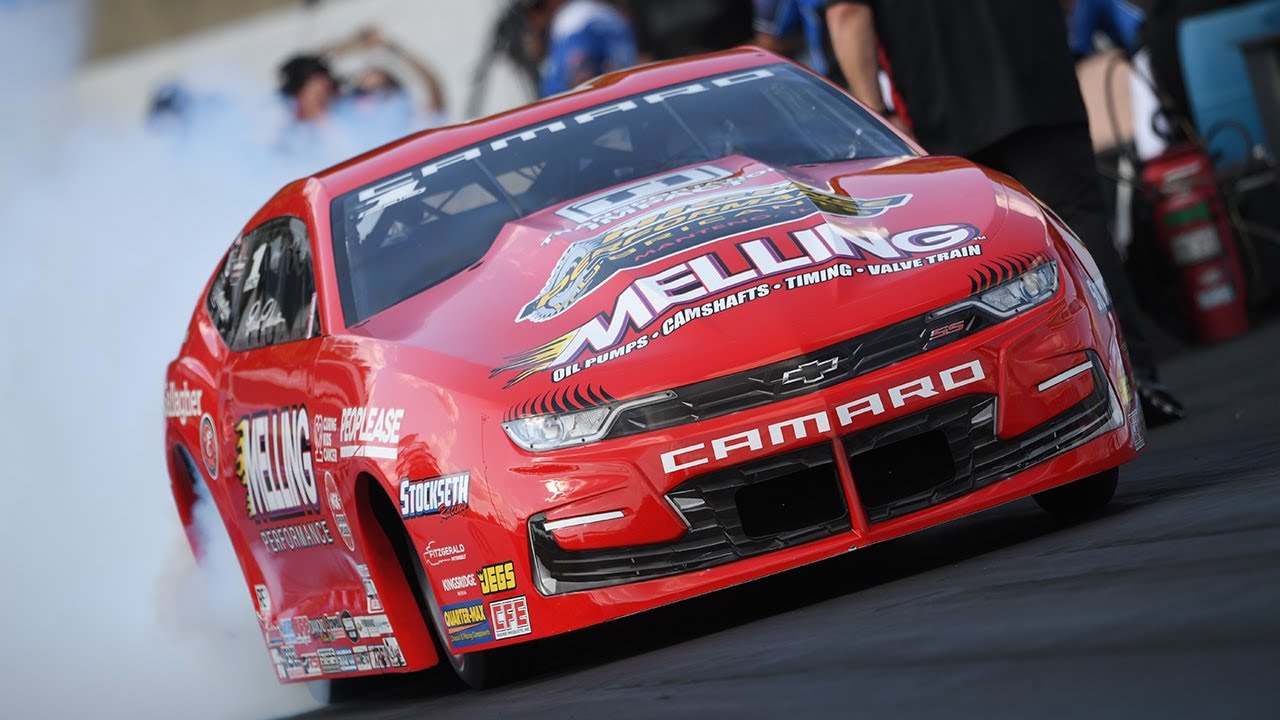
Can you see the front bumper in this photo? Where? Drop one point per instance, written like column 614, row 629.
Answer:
column 1020, row 407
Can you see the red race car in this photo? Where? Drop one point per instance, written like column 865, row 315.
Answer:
column 681, row 328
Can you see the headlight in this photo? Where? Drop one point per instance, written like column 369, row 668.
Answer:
column 1011, row 297
column 549, row 432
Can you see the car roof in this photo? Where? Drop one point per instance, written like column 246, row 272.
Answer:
column 396, row 156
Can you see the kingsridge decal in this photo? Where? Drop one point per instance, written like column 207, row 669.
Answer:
column 752, row 268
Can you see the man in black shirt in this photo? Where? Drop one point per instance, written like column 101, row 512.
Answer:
column 994, row 81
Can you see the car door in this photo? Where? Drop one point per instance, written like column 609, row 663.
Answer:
column 275, row 504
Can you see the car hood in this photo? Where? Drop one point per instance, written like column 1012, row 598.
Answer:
column 714, row 269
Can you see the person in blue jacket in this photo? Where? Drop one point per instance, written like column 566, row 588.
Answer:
column 579, row 40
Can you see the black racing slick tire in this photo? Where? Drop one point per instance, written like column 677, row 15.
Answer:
column 1082, row 498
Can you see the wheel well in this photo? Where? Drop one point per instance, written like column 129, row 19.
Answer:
column 184, row 479
column 377, row 510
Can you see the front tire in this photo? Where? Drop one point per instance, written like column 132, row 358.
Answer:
column 1082, row 498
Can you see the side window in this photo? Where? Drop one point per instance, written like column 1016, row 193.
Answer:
column 265, row 293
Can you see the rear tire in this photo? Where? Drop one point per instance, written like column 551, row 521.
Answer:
column 1082, row 498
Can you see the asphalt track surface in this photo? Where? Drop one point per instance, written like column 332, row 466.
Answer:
column 1166, row 605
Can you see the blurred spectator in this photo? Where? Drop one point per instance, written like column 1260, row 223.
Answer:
column 309, row 87
column 1118, row 20
column 994, row 81
column 378, row 84
column 778, row 23
column 577, row 40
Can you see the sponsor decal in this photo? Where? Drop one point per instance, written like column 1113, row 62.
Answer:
column 497, row 578
column 311, row 665
column 373, row 626
column 370, row 432
column 373, row 602
column 510, row 618
column 273, row 462
column 1137, row 428
column 324, row 428
column 394, row 656
column 301, row 629
column 362, row 658
column 209, row 446
column 459, row 584
column 297, row 536
column 795, row 254
column 349, row 626
column 278, row 660
column 445, row 496
column 436, row 554
column 286, row 631
column 466, row 623
column 182, row 404
column 754, row 440
column 588, row 264
column 407, row 185
column 263, row 599
column 329, row 660
column 335, row 507
column 346, row 660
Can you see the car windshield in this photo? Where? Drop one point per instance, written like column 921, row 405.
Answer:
column 404, row 233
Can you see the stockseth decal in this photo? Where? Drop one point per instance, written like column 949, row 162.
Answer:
column 497, row 578
column 510, row 618
column 466, row 623
column 436, row 554
column 209, row 446
column 752, row 268
column 445, row 496
column 754, row 440
column 182, row 404
column 370, row 432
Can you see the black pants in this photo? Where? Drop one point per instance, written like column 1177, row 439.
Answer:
column 1057, row 165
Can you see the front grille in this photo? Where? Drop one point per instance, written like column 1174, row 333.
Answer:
column 805, row 374
column 892, row 480
column 737, row 512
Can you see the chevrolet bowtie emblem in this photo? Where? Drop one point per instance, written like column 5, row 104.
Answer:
column 811, row 372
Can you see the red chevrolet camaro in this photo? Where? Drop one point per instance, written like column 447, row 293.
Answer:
column 681, row 328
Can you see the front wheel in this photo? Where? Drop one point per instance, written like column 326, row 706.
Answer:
column 1082, row 498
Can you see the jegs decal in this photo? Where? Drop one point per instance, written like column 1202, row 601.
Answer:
column 497, row 578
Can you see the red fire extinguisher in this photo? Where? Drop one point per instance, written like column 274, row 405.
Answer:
column 1191, row 221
